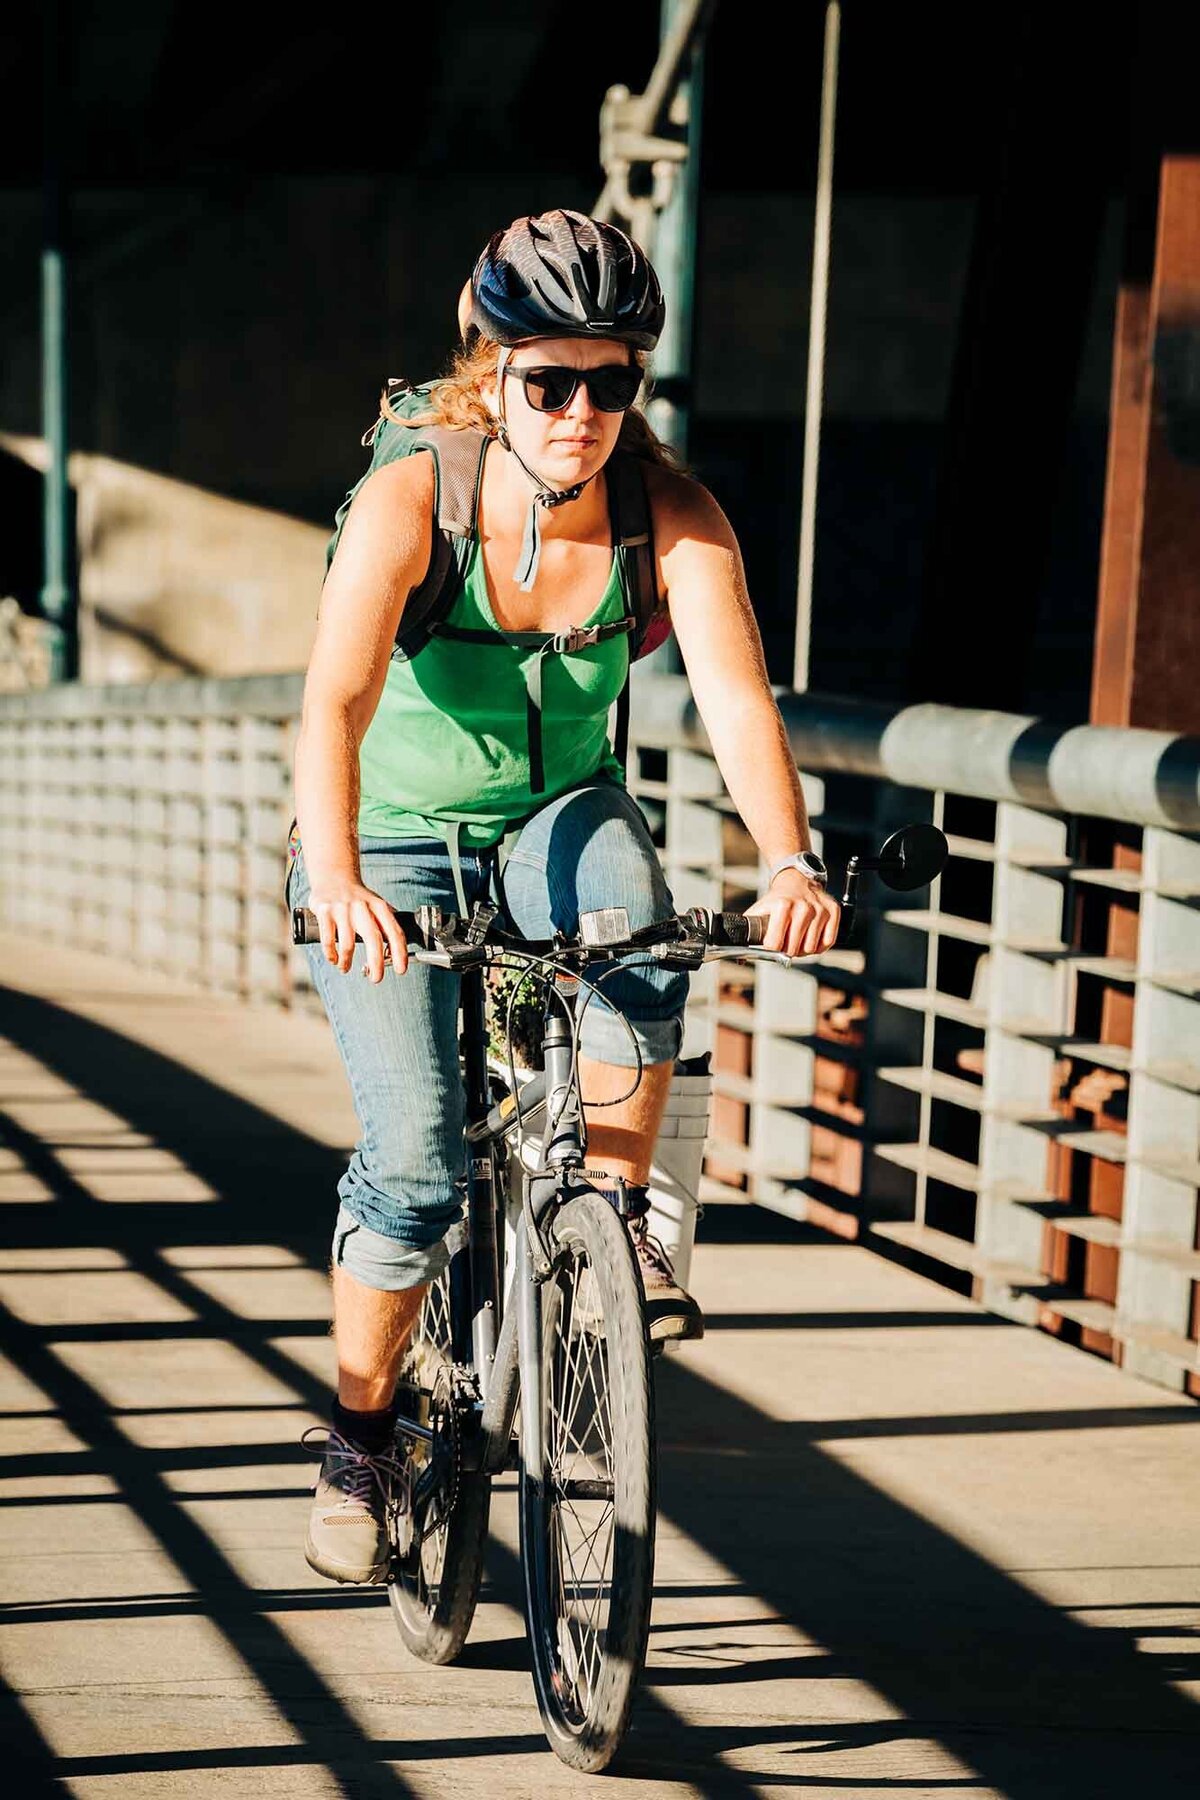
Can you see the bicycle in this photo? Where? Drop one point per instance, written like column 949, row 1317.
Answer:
column 570, row 1352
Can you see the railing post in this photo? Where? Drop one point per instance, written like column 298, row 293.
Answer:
column 1160, row 1260
column 1027, row 988
column 897, row 1034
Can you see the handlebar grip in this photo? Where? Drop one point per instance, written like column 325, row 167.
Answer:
column 306, row 928
column 737, row 928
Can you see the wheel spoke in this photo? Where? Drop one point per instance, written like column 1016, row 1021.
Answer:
column 582, row 1532
column 565, row 1413
column 430, row 1344
column 586, row 1364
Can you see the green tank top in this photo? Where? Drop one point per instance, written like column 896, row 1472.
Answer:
column 447, row 752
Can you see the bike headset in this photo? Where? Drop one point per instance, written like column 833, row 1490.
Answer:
column 560, row 274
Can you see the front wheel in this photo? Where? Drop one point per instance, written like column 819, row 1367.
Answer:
column 587, row 1516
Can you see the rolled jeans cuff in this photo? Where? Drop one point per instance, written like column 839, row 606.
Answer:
column 382, row 1262
column 607, row 1037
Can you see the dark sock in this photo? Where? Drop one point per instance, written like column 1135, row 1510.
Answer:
column 630, row 1195
column 371, row 1431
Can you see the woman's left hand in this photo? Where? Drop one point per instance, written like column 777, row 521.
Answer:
column 802, row 919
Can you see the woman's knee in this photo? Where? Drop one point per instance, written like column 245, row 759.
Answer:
column 618, row 865
column 591, row 848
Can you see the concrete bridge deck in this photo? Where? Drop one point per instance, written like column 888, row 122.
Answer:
column 903, row 1547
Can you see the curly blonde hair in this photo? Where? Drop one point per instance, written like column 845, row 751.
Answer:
column 455, row 400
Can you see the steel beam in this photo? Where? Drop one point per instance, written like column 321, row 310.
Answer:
column 58, row 571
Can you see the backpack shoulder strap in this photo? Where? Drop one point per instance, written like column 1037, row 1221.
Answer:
column 458, row 466
column 458, row 459
column 633, row 536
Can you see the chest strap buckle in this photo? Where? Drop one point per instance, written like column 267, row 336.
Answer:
column 579, row 637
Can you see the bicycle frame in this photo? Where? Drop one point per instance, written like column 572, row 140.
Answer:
column 505, row 1344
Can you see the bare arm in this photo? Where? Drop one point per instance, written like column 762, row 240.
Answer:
column 722, row 651
column 382, row 556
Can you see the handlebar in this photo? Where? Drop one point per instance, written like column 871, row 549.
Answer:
column 910, row 858
column 447, row 941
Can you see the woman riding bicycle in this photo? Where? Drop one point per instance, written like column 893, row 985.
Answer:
column 413, row 772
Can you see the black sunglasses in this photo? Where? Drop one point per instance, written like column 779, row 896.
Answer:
column 549, row 389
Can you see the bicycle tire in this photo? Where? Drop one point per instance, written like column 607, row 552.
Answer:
column 592, row 1312
column 433, row 1586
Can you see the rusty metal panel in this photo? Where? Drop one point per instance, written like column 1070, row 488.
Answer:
column 1120, row 552
column 1148, row 620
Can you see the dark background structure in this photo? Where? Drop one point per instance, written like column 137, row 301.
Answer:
column 266, row 220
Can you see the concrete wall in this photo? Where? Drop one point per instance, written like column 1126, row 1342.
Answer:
column 176, row 580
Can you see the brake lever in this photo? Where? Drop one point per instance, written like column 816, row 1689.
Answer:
column 445, row 949
column 480, row 921
column 687, row 951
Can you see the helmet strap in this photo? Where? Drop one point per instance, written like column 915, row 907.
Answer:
column 529, row 561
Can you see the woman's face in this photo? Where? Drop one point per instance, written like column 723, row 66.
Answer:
column 570, row 445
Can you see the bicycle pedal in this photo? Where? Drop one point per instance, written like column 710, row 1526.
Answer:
column 400, row 1531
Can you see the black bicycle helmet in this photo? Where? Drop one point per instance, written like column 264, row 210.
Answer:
column 561, row 274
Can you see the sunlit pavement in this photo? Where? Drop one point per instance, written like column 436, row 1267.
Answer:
column 902, row 1547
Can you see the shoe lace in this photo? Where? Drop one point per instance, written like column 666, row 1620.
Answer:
column 650, row 1250
column 359, row 1473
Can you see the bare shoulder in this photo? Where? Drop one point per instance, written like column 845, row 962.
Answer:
column 700, row 571
column 387, row 533
column 407, row 482
column 694, row 543
column 683, row 510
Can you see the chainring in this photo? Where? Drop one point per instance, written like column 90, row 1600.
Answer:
column 443, row 1472
column 444, row 1395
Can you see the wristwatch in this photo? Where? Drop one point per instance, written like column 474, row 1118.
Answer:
column 808, row 863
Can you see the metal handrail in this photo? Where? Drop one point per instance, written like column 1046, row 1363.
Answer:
column 1138, row 776
column 149, row 821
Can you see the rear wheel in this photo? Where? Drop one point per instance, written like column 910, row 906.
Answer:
column 587, row 1516
column 437, row 1558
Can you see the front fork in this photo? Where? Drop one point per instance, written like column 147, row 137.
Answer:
column 564, row 1146
column 564, row 1143
column 476, row 1289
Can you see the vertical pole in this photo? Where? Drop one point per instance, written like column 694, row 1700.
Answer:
column 675, row 259
column 814, row 395
column 674, row 253
column 58, row 597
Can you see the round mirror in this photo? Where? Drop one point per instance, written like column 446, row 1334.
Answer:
column 919, row 853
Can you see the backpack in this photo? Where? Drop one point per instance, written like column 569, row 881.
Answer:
column 458, row 460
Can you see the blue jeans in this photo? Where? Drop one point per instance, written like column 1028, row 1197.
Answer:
column 399, row 1039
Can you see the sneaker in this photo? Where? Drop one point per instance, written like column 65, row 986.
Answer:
column 356, row 1493
column 670, row 1310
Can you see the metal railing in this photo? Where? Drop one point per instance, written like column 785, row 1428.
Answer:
column 1004, row 1081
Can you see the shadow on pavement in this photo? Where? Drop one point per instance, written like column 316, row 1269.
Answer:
column 1037, row 1704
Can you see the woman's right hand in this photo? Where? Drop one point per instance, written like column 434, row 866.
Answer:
column 346, row 907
